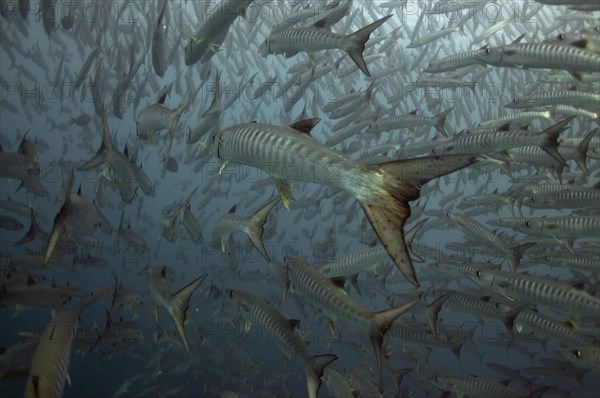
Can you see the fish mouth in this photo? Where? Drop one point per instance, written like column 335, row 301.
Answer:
column 229, row 292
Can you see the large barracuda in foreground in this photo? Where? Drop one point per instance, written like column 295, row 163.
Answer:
column 384, row 190
column 50, row 363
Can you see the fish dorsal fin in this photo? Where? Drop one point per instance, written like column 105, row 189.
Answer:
column 293, row 323
column 578, row 283
column 338, row 282
column 581, row 43
column 232, row 210
column 504, row 127
column 79, row 191
column 518, row 39
column 163, row 97
column 305, row 126
column 413, row 112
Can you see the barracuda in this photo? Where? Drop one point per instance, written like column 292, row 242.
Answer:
column 334, row 302
column 384, row 190
column 472, row 386
column 211, row 33
column 282, row 332
column 50, row 363
column 411, row 120
column 478, row 231
column 516, row 118
column 590, row 101
column 555, row 227
column 504, row 139
column 159, row 43
column 461, row 302
column 455, row 61
column 542, row 55
column 535, row 290
column 586, row 357
column 566, row 335
column 291, row 41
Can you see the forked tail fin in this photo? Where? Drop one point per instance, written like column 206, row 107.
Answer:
column 313, row 374
column 387, row 209
column 358, row 41
column 382, row 322
column 179, row 306
column 550, row 144
column 257, row 221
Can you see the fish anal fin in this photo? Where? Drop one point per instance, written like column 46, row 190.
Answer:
column 285, row 191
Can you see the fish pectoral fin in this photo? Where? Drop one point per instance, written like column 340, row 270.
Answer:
column 68, row 379
column 574, row 322
column 223, row 166
column 156, row 313
column 331, row 325
column 247, row 327
column 312, row 58
column 285, row 191
column 508, row 297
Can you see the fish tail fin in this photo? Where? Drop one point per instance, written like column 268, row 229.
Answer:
column 357, row 44
column 178, row 310
column 175, row 120
column 509, row 319
column 313, row 374
column 33, row 233
column 382, row 323
column 432, row 311
column 105, row 148
column 397, row 376
column 550, row 144
column 257, row 221
column 59, row 219
column 516, row 254
column 456, row 346
column 539, row 392
column 440, row 121
column 582, row 148
column 387, row 209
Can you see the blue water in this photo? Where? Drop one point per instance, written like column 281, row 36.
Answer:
column 225, row 356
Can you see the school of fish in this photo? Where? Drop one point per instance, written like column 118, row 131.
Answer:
column 418, row 185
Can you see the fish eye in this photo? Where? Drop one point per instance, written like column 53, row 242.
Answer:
column 577, row 353
column 527, row 224
column 514, row 101
column 561, row 37
column 488, row 50
column 478, row 274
